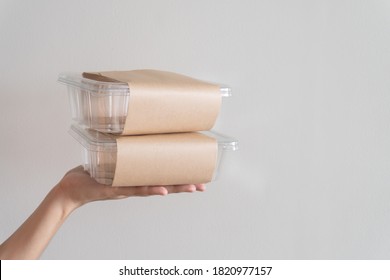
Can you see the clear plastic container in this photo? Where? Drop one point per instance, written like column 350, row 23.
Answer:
column 100, row 152
column 101, row 105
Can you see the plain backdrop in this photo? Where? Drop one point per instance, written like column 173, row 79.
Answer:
column 310, row 108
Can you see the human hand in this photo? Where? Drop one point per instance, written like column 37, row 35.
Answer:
column 79, row 188
column 76, row 188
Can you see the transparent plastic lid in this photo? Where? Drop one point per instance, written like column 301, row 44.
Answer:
column 93, row 140
column 96, row 141
column 78, row 81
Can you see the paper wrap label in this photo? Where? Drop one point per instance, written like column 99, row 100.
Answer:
column 165, row 102
column 165, row 159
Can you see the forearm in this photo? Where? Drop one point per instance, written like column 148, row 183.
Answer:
column 32, row 237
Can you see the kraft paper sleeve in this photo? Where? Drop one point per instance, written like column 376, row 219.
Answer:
column 165, row 159
column 165, row 102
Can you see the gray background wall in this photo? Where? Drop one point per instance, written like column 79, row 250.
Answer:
column 310, row 109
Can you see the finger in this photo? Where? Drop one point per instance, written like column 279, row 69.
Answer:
column 180, row 188
column 186, row 188
column 200, row 187
column 122, row 192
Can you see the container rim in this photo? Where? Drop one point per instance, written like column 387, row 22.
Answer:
column 92, row 139
column 95, row 140
column 76, row 80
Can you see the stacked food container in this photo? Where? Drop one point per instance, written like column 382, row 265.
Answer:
column 147, row 127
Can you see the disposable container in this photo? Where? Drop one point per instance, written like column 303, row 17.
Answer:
column 100, row 152
column 102, row 106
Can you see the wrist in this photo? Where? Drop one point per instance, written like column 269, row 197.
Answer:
column 63, row 200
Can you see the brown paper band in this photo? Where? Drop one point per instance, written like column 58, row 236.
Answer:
column 163, row 102
column 165, row 159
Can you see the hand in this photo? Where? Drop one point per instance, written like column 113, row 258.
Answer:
column 80, row 188
column 75, row 189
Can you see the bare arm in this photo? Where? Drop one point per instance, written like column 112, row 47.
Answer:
column 74, row 190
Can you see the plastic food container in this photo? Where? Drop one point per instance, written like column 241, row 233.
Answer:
column 100, row 152
column 101, row 105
